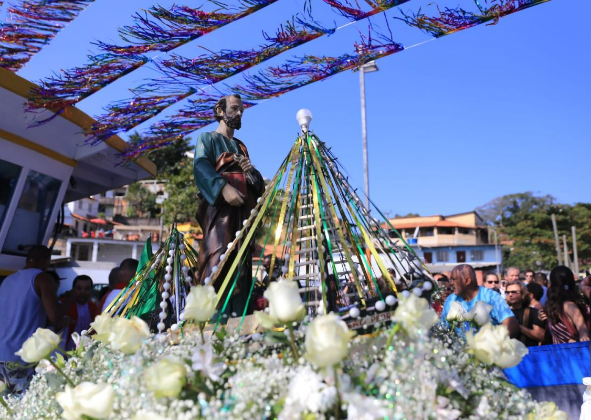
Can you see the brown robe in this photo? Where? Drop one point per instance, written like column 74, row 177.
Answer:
column 219, row 223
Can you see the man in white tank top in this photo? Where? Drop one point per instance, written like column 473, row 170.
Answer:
column 28, row 299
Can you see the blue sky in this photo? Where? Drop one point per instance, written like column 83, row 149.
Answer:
column 452, row 123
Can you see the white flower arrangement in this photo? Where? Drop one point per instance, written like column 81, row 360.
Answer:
column 390, row 373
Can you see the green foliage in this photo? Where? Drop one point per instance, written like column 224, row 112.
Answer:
column 400, row 216
column 168, row 159
column 141, row 200
column 182, row 201
column 524, row 222
column 175, row 170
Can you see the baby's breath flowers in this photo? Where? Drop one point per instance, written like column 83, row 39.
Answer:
column 228, row 376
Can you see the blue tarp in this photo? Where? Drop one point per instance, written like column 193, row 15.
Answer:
column 558, row 364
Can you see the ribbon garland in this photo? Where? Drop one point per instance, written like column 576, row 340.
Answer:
column 73, row 85
column 353, row 14
column 33, row 25
column 123, row 116
column 164, row 29
column 58, row 92
column 276, row 81
column 168, row 29
column 458, row 19
column 215, row 67
column 168, row 133
column 269, row 83
column 206, row 69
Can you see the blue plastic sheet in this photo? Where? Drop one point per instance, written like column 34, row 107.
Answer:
column 559, row 364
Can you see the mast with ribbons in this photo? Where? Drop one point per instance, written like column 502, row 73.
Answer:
column 317, row 231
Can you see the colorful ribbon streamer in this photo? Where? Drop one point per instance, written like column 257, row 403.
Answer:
column 177, row 127
column 355, row 14
column 125, row 115
column 33, row 24
column 103, row 69
column 266, row 84
column 206, row 69
column 215, row 67
column 164, row 29
column 276, row 81
column 60, row 91
column 458, row 19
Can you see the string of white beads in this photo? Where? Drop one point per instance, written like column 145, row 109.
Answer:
column 166, row 286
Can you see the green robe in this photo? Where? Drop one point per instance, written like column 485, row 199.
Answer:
column 209, row 147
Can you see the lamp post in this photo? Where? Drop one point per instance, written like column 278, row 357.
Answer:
column 366, row 68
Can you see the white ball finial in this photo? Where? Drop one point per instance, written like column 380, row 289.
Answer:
column 304, row 117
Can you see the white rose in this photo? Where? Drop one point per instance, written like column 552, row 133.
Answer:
column 200, row 303
column 548, row 411
column 166, row 378
column 39, row 345
column 147, row 415
column 513, row 351
column 480, row 313
column 492, row 345
column 127, row 334
column 87, row 399
column 414, row 315
column 2, row 387
column 285, row 304
column 327, row 340
column 102, row 325
column 456, row 312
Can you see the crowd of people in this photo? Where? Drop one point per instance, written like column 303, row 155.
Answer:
column 29, row 300
column 535, row 310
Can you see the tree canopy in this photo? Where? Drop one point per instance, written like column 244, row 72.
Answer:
column 524, row 223
column 175, row 170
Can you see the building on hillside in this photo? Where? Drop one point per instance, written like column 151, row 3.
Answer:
column 446, row 241
column 77, row 214
column 113, row 203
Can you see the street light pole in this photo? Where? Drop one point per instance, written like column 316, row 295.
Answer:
column 366, row 68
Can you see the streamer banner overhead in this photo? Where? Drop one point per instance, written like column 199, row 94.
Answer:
column 32, row 25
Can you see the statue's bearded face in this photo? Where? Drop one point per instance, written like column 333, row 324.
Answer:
column 233, row 113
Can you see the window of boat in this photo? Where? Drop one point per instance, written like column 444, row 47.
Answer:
column 9, row 173
column 30, row 221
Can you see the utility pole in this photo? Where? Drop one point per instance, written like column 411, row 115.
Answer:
column 497, row 256
column 366, row 68
column 566, row 257
column 575, row 254
column 556, row 240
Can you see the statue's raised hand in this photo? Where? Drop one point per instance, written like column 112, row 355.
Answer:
column 245, row 164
